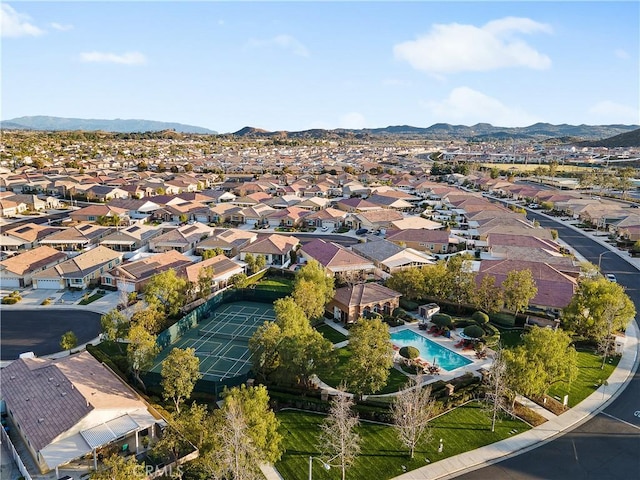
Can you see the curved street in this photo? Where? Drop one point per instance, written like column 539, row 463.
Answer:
column 607, row 445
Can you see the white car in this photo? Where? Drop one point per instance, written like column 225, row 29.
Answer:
column 611, row 277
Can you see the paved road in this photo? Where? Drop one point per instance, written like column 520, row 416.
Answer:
column 606, row 446
column 39, row 331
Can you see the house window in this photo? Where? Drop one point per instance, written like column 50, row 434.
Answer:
column 107, row 280
column 91, row 218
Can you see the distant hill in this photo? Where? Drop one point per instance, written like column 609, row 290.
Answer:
column 118, row 125
column 439, row 131
column 629, row 139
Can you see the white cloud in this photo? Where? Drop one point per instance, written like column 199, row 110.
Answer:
column 14, row 24
column 395, row 82
column 467, row 106
column 285, row 42
column 128, row 58
column 610, row 112
column 622, row 54
column 61, row 27
column 453, row 47
column 352, row 120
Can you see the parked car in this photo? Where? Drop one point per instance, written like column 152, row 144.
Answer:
column 362, row 231
column 611, row 277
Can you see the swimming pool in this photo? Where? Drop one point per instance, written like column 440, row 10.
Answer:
column 445, row 358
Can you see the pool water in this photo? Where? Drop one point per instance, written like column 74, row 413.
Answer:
column 430, row 351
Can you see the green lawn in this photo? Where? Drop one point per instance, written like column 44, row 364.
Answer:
column 92, row 298
column 333, row 377
column 331, row 334
column 382, row 456
column 275, row 284
column 590, row 375
column 511, row 338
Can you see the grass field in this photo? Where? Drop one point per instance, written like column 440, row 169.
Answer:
column 382, row 456
column 590, row 376
column 275, row 284
column 334, row 376
column 511, row 338
column 92, row 298
column 331, row 334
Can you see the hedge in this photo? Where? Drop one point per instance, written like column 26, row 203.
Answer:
column 409, row 352
column 480, row 317
column 503, row 319
column 442, row 320
column 409, row 305
column 474, row 331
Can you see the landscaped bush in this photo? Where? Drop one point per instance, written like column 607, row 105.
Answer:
column 480, row 317
column 46, row 301
column 503, row 319
column 463, row 322
column 442, row 320
column 399, row 312
column 408, row 305
column 409, row 352
column 10, row 300
column 492, row 335
column 474, row 331
column 392, row 322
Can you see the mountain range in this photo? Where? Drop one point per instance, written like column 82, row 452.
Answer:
column 564, row 133
column 41, row 122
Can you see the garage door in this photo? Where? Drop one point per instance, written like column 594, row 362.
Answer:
column 47, row 284
column 10, row 282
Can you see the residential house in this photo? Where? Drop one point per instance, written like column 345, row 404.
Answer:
column 69, row 408
column 16, row 271
column 130, row 239
column 390, row 202
column 356, row 205
column 25, row 236
column 415, row 223
column 229, row 240
column 76, row 238
column 223, row 269
column 330, row 218
column 336, row 259
column 133, row 276
column 31, row 201
column 375, row 219
column 362, row 300
column 255, row 215
column 136, row 209
column 183, row 239
column 101, row 213
column 434, row 241
column 78, row 272
column 277, row 249
column 390, row 257
column 104, row 193
column 287, row 217
column 555, row 288
column 10, row 208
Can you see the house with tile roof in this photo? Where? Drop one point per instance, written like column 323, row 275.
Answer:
column 555, row 288
column 78, row 272
column 356, row 205
column 72, row 407
column 362, row 300
column 229, row 240
column 287, row 217
column 25, row 236
column 331, row 218
column 375, row 219
column 390, row 257
column 422, row 240
column 182, row 239
column 94, row 213
column 335, row 258
column 223, row 269
column 76, row 238
column 277, row 249
column 133, row 276
column 16, row 271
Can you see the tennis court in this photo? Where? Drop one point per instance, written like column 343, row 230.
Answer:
column 221, row 340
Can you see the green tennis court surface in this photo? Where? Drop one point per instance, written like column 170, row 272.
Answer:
column 221, row 341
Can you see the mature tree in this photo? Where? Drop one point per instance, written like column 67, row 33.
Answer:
column 496, row 391
column 167, row 291
column 117, row 467
column 488, row 296
column 250, row 260
column 261, row 262
column 114, row 325
column 546, row 357
column 68, row 340
column 410, row 282
column 598, row 309
column 339, row 442
column 461, row 278
column 141, row 351
column 151, row 318
column 519, row 289
column 263, row 346
column 411, row 411
column 239, row 280
column 247, row 430
column 371, row 357
column 436, row 280
column 313, row 289
column 211, row 252
column 205, row 281
column 180, row 372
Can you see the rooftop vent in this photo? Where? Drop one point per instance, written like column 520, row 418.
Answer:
column 40, row 420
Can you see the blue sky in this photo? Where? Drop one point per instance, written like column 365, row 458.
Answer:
column 300, row 65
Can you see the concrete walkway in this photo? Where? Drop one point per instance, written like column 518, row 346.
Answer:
column 531, row 405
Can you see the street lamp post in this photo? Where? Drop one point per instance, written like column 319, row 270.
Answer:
column 324, row 464
column 600, row 257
